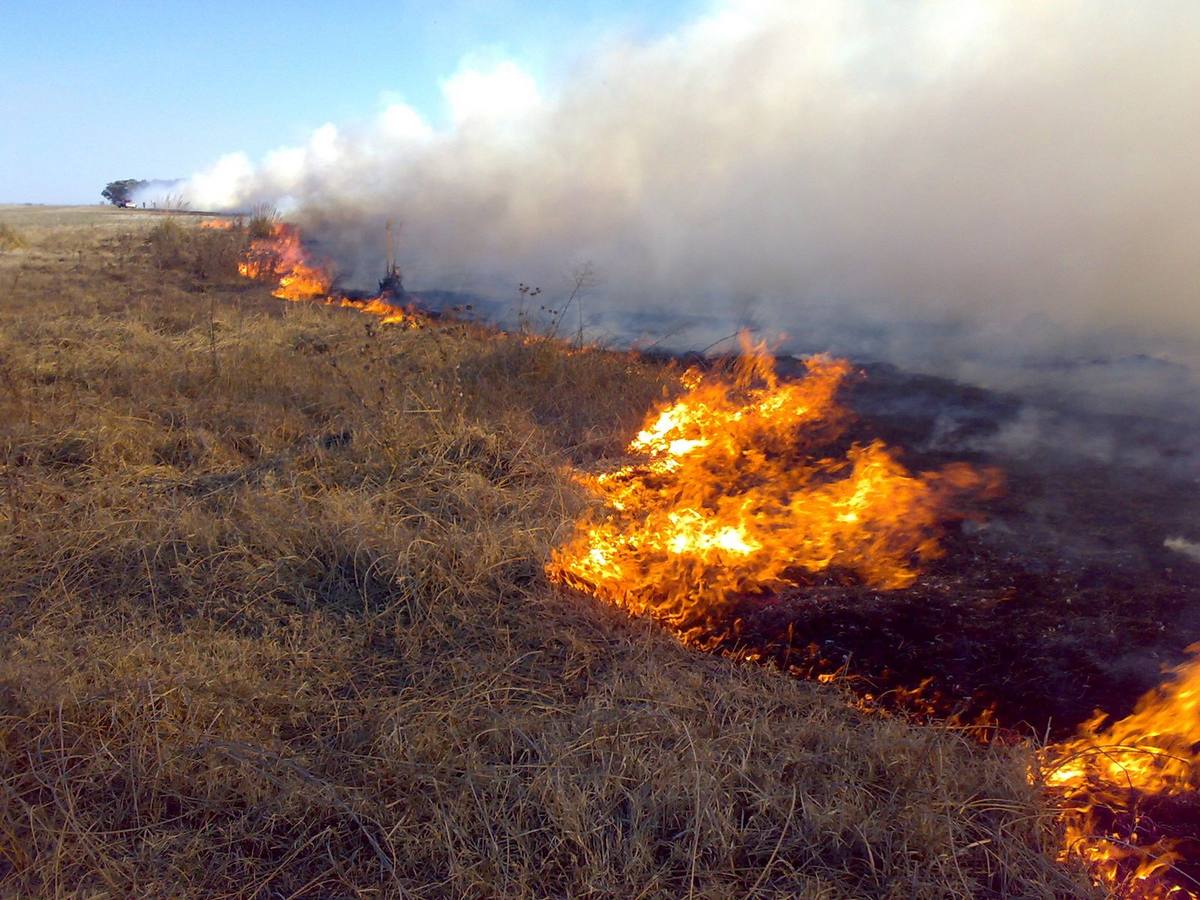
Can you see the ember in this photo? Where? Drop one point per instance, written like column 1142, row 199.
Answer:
column 733, row 493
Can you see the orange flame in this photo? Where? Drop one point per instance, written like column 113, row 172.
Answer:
column 303, row 282
column 282, row 256
column 1110, row 780
column 218, row 224
column 730, row 496
column 387, row 313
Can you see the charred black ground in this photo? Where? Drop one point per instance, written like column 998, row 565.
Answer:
column 1062, row 600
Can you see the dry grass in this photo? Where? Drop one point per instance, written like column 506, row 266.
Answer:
column 206, row 254
column 274, row 624
column 263, row 219
column 10, row 238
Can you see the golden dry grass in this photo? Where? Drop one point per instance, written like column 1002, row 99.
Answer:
column 274, row 624
column 10, row 238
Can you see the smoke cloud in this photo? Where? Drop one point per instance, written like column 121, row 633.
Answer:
column 941, row 183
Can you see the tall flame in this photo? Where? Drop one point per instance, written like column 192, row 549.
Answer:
column 731, row 495
column 282, row 256
column 1122, row 788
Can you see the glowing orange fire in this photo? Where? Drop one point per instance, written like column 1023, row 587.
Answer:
column 1114, row 782
column 218, row 224
column 303, row 282
column 730, row 495
column 282, row 257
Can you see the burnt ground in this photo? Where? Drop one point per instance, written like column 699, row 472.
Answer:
column 1061, row 601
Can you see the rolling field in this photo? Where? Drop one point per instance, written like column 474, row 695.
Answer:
column 274, row 623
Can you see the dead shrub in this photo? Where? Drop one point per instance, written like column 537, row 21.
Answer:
column 206, row 254
column 215, row 254
column 169, row 244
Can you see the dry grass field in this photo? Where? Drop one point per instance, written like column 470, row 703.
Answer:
column 273, row 623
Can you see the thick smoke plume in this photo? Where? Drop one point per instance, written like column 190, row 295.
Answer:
column 938, row 183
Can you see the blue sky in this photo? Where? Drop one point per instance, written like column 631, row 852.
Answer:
column 93, row 91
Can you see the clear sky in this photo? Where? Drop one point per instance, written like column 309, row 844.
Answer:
column 91, row 92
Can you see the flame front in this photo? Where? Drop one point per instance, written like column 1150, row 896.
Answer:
column 731, row 496
column 282, row 257
column 1126, row 789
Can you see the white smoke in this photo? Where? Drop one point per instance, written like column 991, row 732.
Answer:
column 1012, row 171
column 1190, row 549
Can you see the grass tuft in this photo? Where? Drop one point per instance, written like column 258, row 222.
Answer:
column 11, row 238
column 206, row 254
column 263, row 219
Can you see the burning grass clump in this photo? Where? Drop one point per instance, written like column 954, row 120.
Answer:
column 735, row 490
column 279, row 627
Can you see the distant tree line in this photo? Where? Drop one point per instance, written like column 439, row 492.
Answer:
column 121, row 193
column 118, row 193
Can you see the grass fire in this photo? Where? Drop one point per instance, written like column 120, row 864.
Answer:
column 1130, row 792
column 732, row 495
column 301, row 604
column 702, row 449
column 280, row 257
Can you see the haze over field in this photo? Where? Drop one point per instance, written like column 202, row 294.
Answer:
column 847, row 172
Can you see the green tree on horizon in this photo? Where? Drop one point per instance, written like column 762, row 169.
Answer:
column 120, row 192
